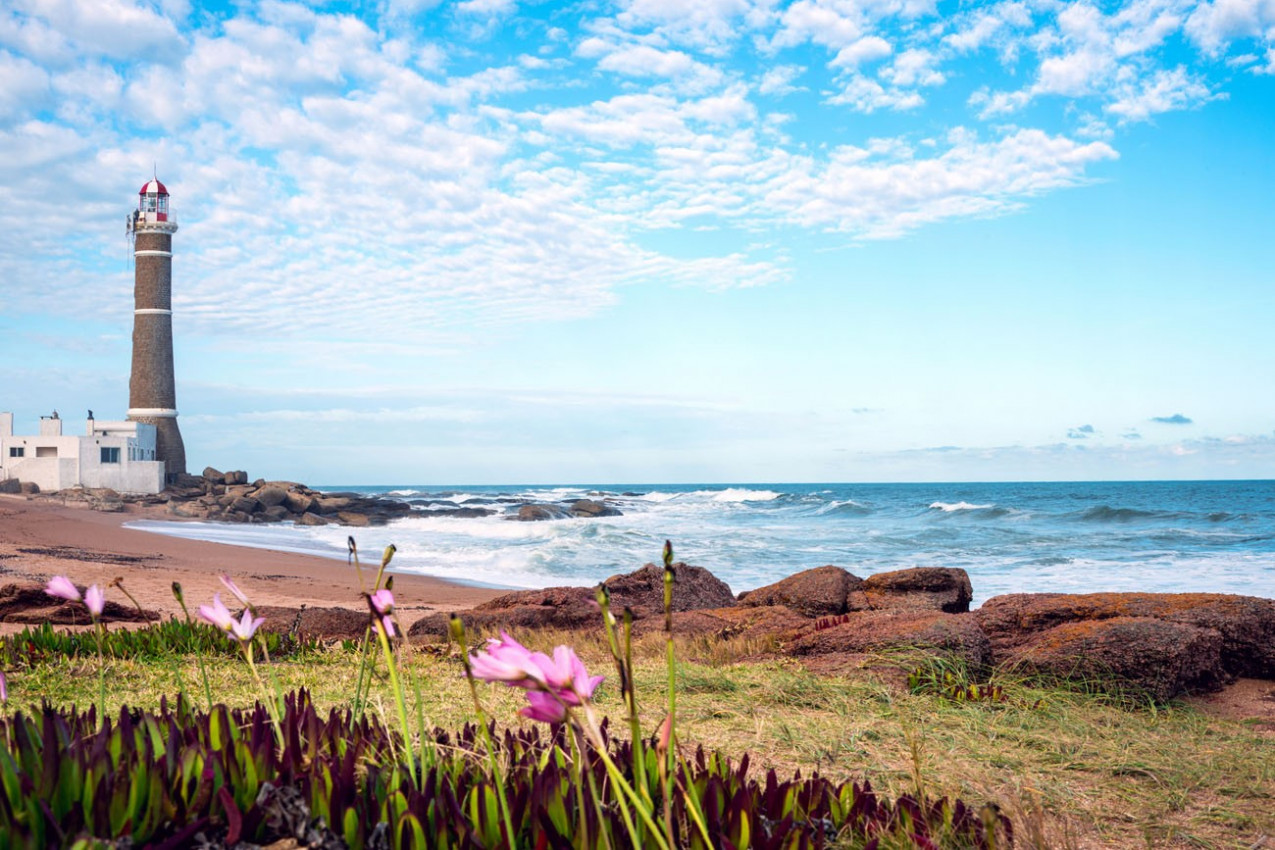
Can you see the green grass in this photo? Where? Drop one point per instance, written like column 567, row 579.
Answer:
column 1071, row 768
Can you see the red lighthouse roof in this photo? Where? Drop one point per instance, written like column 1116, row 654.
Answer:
column 154, row 187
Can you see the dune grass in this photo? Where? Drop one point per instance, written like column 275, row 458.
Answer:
column 1072, row 769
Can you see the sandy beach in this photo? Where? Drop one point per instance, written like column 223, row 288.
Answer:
column 39, row 539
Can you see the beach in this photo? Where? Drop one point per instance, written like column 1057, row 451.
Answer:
column 39, row 539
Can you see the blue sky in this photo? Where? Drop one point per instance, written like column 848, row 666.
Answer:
column 732, row 240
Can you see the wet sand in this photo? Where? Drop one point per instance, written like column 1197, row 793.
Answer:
column 39, row 539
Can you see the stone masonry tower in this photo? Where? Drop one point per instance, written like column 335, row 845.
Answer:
column 152, row 388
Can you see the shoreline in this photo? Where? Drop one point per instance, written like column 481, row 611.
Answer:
column 39, row 539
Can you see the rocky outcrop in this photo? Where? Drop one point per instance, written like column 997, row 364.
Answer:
column 322, row 623
column 921, row 588
column 29, row 603
column 590, row 508
column 542, row 511
column 538, row 513
column 11, row 486
column 820, row 592
column 1157, row 658
column 1244, row 624
column 695, row 588
column 774, row 622
column 929, row 632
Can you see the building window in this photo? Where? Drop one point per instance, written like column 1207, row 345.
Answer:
column 46, row 451
column 110, row 455
column 17, row 451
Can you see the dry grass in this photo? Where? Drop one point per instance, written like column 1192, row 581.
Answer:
column 1079, row 770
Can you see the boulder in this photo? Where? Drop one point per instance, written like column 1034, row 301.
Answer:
column 275, row 513
column 28, row 488
column 770, row 621
column 214, row 475
column 298, row 503
column 694, row 588
column 245, row 504
column 323, row 623
column 270, row 496
column 11, row 486
column 538, row 513
column 311, row 519
column 819, row 592
column 590, row 508
column 186, row 481
column 189, row 510
column 235, row 477
column 1246, row 623
column 553, row 607
column 1154, row 657
column 920, row 588
column 924, row 631
column 331, row 504
column 28, row 603
column 356, row 520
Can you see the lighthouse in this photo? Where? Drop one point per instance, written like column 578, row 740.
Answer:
column 152, row 387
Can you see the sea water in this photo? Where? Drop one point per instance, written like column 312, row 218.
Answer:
column 1214, row 536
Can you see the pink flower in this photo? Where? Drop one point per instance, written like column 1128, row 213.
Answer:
column 246, row 627
column 62, row 588
column 234, row 588
column 544, row 707
column 4, row 688
column 382, row 603
column 95, row 599
column 568, row 677
column 217, row 614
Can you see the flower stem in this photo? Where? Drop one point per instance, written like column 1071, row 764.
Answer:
column 398, row 700
column 458, row 632
column 271, row 707
column 101, row 667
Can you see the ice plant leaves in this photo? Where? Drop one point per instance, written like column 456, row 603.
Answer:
column 161, row 777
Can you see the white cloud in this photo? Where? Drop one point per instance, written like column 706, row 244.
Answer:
column 1214, row 25
column 1165, row 91
column 867, row 96
column 779, row 80
column 115, row 28
column 866, row 49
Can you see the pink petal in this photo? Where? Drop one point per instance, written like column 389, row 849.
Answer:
column 95, row 599
column 62, row 588
column 544, row 708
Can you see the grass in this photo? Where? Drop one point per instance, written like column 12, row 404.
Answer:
column 1071, row 768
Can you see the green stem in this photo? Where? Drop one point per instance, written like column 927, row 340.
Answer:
column 582, row 769
column 398, row 701
column 458, row 631
column 199, row 655
column 101, row 668
column 246, row 646
column 617, row 779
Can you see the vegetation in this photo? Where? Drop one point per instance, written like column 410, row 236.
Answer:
column 346, row 747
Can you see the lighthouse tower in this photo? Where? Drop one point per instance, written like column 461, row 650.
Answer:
column 152, row 388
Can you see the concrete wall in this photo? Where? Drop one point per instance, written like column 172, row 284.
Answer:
column 78, row 460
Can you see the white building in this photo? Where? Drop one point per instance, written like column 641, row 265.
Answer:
column 118, row 455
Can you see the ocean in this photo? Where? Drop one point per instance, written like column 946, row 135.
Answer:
column 1212, row 536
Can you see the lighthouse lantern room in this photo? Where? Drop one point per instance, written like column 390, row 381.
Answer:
column 152, row 203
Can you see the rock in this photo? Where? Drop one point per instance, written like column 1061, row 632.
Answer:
column 538, row 513
column 693, row 588
column 590, row 508
column 188, row 510
column 28, row 488
column 356, row 520
column 215, row 476
column 926, row 631
column 921, row 588
column 270, row 496
column 275, row 513
column 819, row 592
column 311, row 519
column 11, row 486
column 553, row 607
column 28, row 603
column 1245, row 623
column 186, row 481
column 1158, row 658
column 324, row 623
column 331, row 504
column 235, row 477
column 245, row 504
column 460, row 513
column 298, row 503
column 771, row 621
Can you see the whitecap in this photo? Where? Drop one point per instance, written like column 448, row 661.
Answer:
column 737, row 494
column 948, row 507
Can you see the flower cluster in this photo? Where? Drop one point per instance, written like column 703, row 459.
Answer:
column 382, row 605
column 553, row 685
column 63, row 588
column 219, row 615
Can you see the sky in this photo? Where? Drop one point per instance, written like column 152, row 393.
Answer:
column 502, row 241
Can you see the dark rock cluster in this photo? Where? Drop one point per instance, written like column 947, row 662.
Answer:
column 1158, row 644
column 229, row 497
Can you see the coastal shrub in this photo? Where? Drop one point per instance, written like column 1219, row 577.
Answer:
column 41, row 644
column 180, row 777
